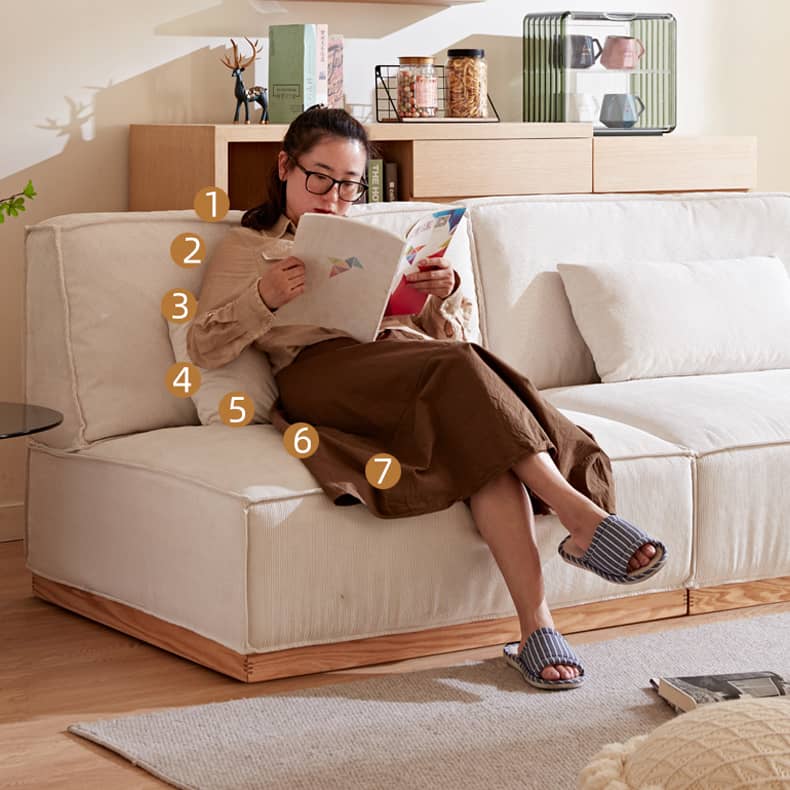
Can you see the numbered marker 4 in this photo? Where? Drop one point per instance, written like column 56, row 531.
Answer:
column 183, row 379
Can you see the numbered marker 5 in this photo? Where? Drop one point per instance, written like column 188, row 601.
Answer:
column 236, row 409
column 188, row 250
column 211, row 204
column 383, row 470
column 179, row 305
column 183, row 379
column 301, row 440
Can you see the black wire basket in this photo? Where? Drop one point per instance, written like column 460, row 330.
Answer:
column 387, row 100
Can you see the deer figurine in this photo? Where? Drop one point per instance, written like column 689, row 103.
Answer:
column 246, row 95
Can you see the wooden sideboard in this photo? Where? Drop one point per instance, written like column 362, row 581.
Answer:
column 169, row 163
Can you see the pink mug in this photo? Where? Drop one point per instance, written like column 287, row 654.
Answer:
column 622, row 52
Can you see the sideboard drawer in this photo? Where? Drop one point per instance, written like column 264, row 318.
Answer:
column 673, row 164
column 475, row 168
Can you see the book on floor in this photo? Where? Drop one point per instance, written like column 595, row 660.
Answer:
column 688, row 692
column 355, row 272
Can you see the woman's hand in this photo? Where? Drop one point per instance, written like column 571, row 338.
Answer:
column 436, row 277
column 282, row 282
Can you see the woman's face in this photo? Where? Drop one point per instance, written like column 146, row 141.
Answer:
column 337, row 157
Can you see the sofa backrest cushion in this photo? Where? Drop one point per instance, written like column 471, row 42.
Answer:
column 97, row 346
column 518, row 242
column 654, row 320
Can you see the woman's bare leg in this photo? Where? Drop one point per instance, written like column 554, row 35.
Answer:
column 503, row 515
column 578, row 514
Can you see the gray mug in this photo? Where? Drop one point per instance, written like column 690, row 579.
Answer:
column 620, row 110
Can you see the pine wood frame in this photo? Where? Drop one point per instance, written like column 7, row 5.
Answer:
column 258, row 667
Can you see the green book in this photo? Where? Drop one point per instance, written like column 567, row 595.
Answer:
column 293, row 66
column 375, row 180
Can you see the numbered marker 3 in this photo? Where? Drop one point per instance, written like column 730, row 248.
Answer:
column 179, row 305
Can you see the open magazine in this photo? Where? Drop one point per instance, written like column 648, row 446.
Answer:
column 355, row 271
column 688, row 692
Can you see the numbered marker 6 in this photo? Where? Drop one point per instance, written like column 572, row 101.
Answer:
column 236, row 409
column 301, row 440
column 179, row 305
column 183, row 379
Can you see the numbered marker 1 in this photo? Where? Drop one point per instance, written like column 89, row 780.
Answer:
column 301, row 440
column 383, row 470
column 183, row 379
column 188, row 250
column 236, row 409
column 211, row 204
column 179, row 305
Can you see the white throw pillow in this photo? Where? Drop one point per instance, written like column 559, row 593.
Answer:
column 647, row 320
column 250, row 373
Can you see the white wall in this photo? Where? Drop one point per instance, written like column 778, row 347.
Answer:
column 76, row 73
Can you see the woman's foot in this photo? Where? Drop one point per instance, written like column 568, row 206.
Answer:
column 582, row 525
column 543, row 619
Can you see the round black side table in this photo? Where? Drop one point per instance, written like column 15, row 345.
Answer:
column 21, row 419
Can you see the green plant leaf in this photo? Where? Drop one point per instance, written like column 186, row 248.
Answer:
column 29, row 191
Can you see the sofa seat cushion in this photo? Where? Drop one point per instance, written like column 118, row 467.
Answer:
column 221, row 531
column 737, row 425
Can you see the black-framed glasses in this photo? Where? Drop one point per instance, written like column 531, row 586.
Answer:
column 320, row 183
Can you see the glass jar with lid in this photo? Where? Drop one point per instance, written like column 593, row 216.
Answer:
column 418, row 88
column 467, row 83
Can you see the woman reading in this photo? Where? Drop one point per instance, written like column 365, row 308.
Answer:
column 463, row 424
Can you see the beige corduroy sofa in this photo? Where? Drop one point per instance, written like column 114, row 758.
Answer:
column 214, row 543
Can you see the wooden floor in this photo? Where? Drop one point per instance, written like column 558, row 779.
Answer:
column 57, row 668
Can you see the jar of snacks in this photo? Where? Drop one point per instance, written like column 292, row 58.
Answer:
column 418, row 88
column 467, row 83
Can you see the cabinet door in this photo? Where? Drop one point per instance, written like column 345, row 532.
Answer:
column 447, row 169
column 674, row 163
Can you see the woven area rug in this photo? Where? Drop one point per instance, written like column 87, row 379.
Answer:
column 476, row 725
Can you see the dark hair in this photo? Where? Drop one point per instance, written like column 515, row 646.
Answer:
column 305, row 131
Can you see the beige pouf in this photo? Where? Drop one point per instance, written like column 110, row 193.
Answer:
column 720, row 746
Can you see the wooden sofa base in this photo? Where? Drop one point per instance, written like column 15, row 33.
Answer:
column 258, row 667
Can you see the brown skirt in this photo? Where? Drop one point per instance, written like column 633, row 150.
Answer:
column 453, row 414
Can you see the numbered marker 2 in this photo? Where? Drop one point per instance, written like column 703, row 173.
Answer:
column 236, row 409
column 383, row 470
column 183, row 379
column 188, row 250
column 179, row 305
column 211, row 204
column 301, row 440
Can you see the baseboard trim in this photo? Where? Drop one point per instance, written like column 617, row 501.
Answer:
column 12, row 521
column 307, row 660
column 737, row 596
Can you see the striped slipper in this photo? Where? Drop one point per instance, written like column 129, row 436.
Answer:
column 614, row 543
column 544, row 647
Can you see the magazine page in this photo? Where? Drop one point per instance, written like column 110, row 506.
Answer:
column 350, row 267
column 428, row 238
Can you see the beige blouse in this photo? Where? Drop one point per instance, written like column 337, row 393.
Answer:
column 232, row 315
